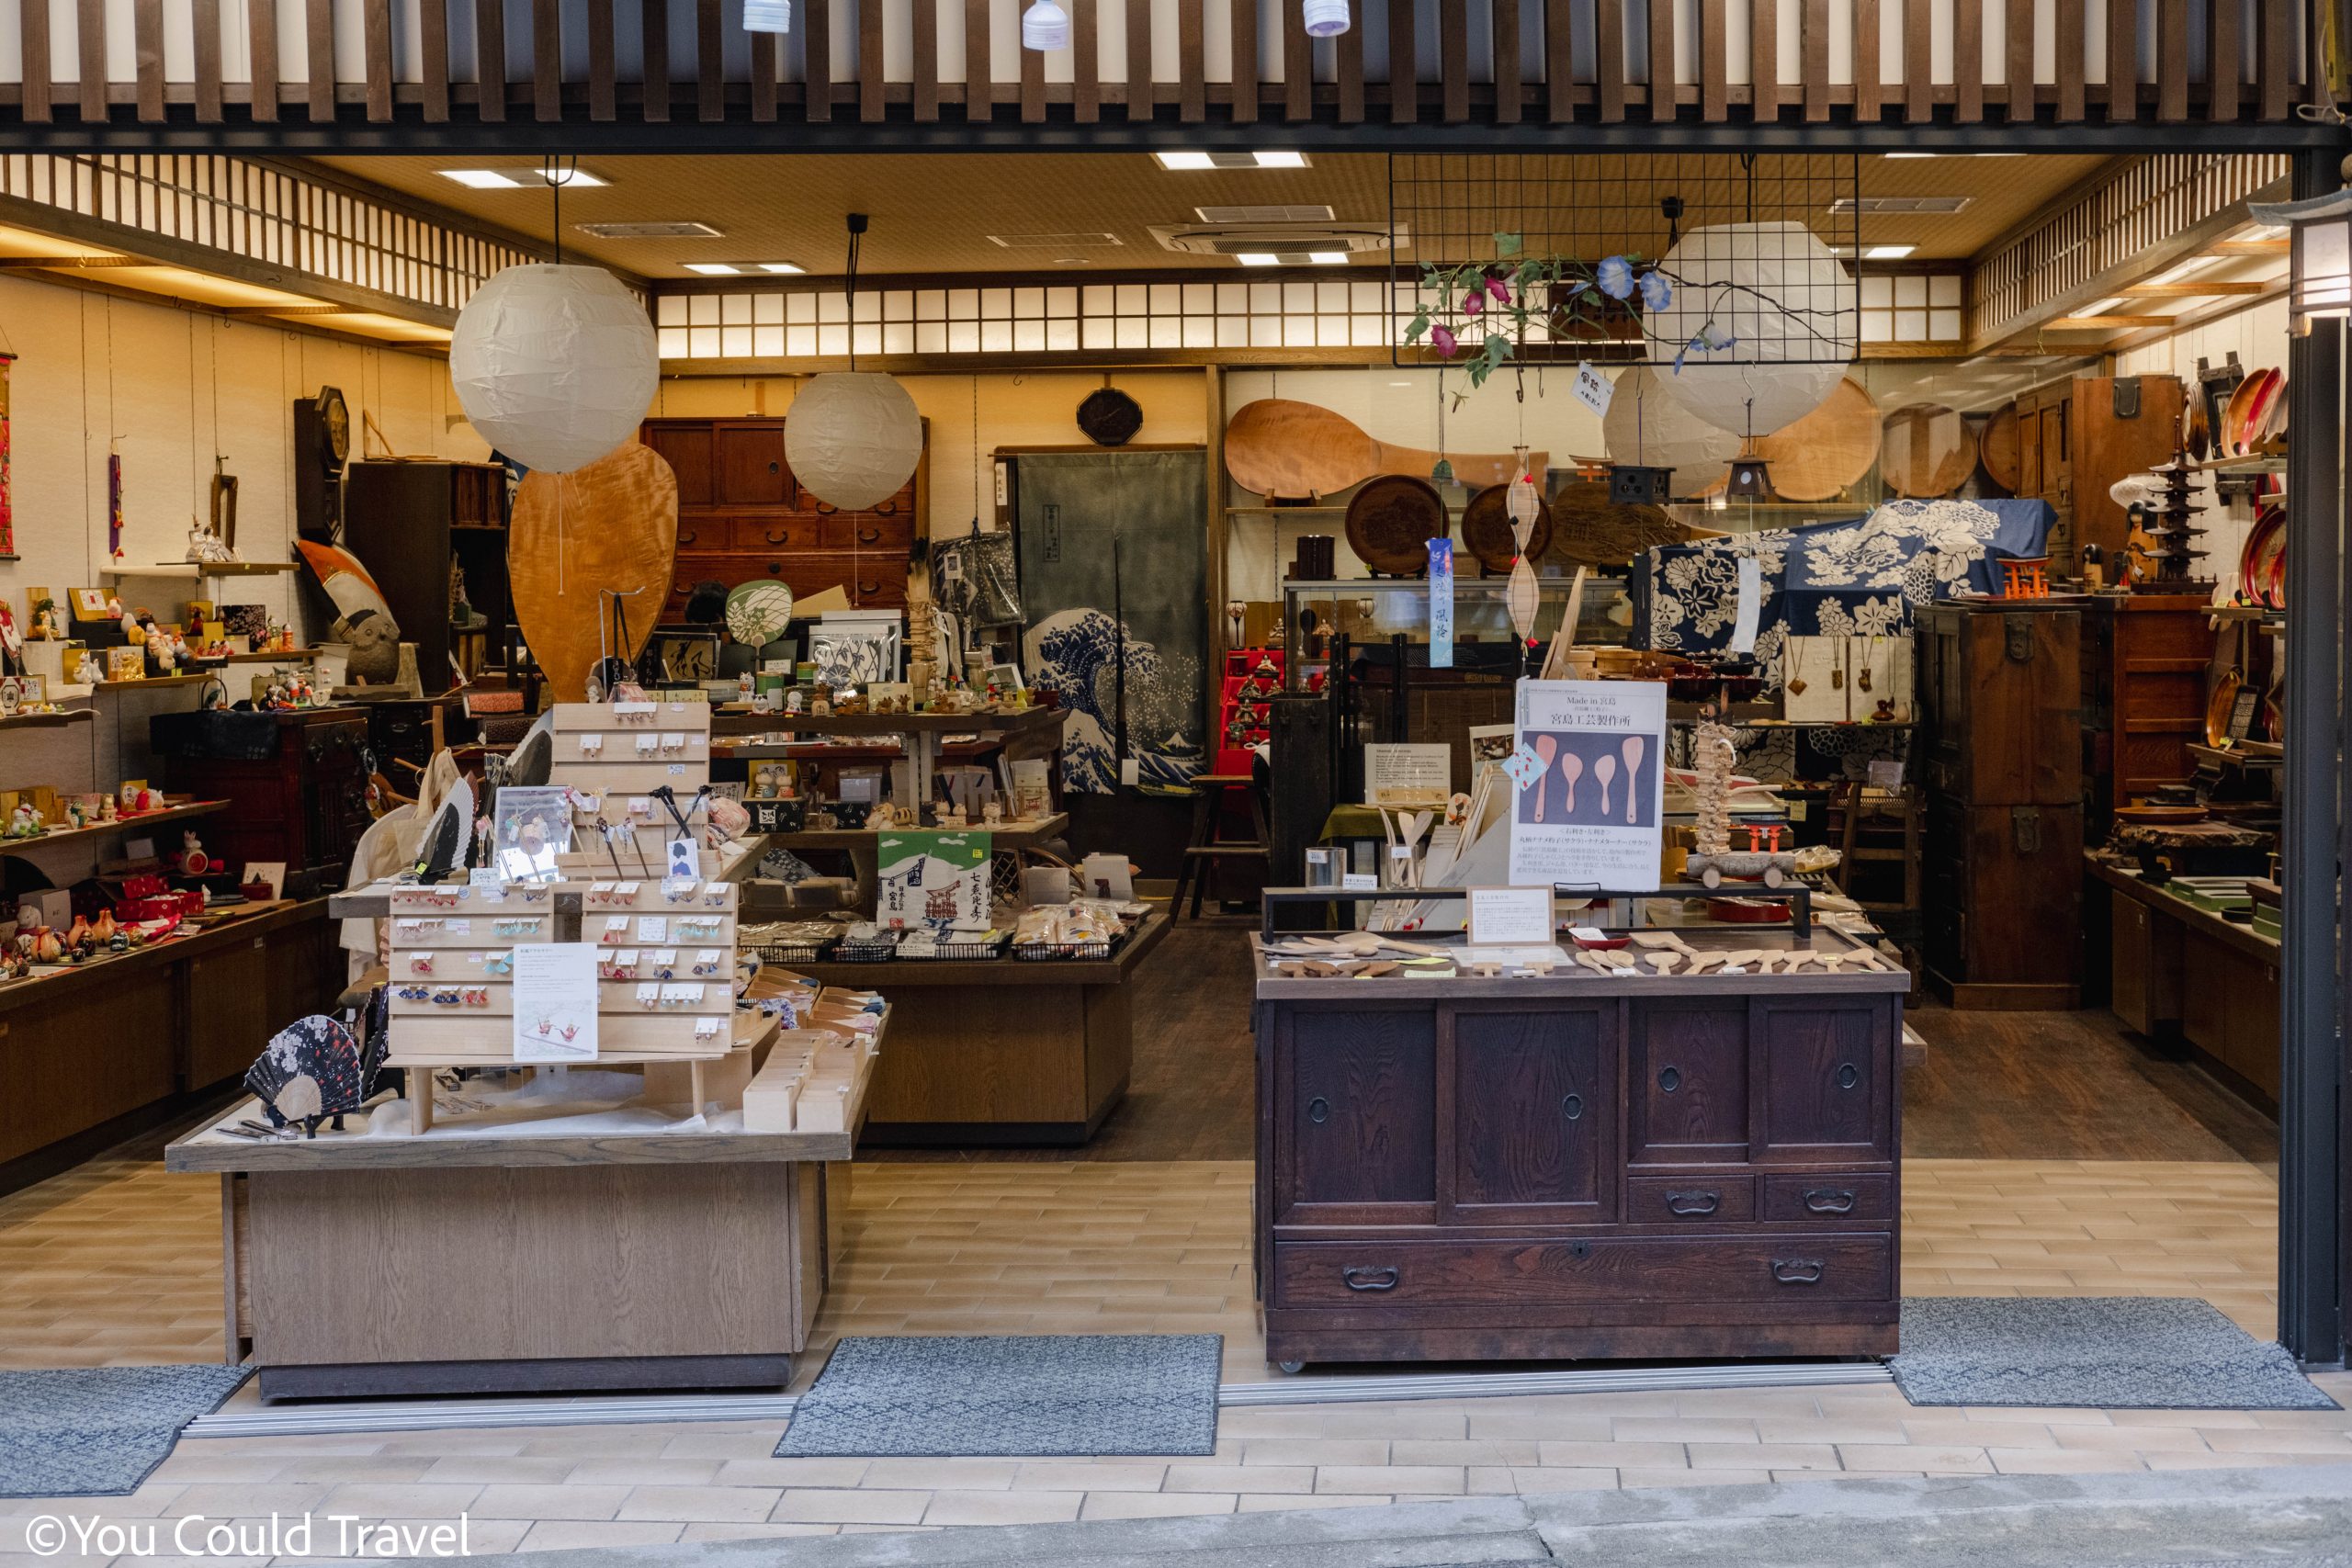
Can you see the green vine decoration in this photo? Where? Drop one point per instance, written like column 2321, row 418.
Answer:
column 1499, row 303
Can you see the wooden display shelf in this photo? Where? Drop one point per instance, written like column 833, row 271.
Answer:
column 745, row 721
column 155, row 682
column 121, row 825
column 201, row 570
column 1003, row 836
column 47, row 720
column 736, row 861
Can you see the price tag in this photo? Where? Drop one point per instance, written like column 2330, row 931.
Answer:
column 1510, row 916
column 1359, row 881
column 1593, row 389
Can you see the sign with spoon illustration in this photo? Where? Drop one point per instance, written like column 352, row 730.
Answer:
column 1589, row 818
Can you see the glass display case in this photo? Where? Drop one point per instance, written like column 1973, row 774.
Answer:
column 1366, row 610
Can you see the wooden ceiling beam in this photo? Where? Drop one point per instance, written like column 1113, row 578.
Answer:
column 2190, row 290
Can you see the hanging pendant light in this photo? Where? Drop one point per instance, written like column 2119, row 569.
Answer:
column 767, row 15
column 852, row 439
column 1326, row 18
column 1045, row 26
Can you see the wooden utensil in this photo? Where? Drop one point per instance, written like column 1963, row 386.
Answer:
column 1664, row 960
column 1617, row 958
column 1592, row 961
column 1546, row 747
column 1702, row 963
column 1827, row 450
column 1604, row 768
column 1391, row 522
column 1798, row 957
column 1571, row 768
column 609, row 528
column 1633, row 751
column 1486, row 530
column 1996, row 448
column 1930, row 451
column 1277, row 448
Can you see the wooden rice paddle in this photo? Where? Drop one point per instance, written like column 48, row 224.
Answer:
column 609, row 528
column 1280, row 448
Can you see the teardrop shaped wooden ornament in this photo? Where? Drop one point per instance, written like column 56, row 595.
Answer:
column 610, row 528
column 1525, row 596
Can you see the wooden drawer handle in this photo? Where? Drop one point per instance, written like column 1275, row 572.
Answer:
column 869, row 536
column 776, row 538
column 886, row 508
column 825, row 510
column 865, row 588
column 1371, row 1278
column 1693, row 1205
column 684, row 538
column 1797, row 1271
column 1828, row 1200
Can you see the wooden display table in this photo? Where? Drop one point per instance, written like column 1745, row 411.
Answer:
column 479, row 1259
column 1581, row 1164
column 998, row 1051
column 2180, row 973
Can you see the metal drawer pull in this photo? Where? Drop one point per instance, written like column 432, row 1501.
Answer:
column 1318, row 1111
column 1796, row 1271
column 1848, row 1075
column 1828, row 1200
column 869, row 536
column 1371, row 1278
column 783, row 538
column 1573, row 1107
column 1692, row 1205
column 1670, row 1079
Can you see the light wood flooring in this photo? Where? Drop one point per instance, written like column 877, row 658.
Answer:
column 2093, row 1168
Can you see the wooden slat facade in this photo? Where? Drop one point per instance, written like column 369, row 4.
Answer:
column 1517, row 63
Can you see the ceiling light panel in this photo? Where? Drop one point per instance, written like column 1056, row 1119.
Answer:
column 1185, row 161
column 523, row 176
column 673, row 228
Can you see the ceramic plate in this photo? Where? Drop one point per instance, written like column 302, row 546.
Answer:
column 2262, row 565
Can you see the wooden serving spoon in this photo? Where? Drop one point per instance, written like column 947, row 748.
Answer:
column 1632, row 749
column 1277, row 447
column 1663, row 960
column 1706, row 961
column 1546, row 747
column 1604, row 768
column 1591, row 961
column 1572, row 769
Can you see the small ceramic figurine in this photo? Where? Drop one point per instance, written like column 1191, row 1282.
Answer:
column 24, row 822
column 194, row 862
column 48, row 947
column 159, row 649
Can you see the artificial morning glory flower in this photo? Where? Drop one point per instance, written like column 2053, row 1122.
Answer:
column 1443, row 339
column 1615, row 277
column 1656, row 292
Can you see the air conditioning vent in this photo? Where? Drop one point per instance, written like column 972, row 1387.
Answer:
column 1271, row 214
column 1916, row 205
column 680, row 229
column 1281, row 238
column 1078, row 242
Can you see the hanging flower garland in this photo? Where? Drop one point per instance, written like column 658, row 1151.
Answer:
column 1506, row 299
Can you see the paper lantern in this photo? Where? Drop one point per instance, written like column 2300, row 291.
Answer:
column 1520, row 503
column 554, row 365
column 1045, row 26
column 1646, row 428
column 1764, row 321
column 767, row 15
column 1324, row 18
column 852, row 439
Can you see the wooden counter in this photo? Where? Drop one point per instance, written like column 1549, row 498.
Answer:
column 2229, row 1014
column 999, row 1052
column 1579, row 1166
column 483, row 1261
column 95, row 1053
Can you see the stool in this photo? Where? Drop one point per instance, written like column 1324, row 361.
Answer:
column 1207, row 848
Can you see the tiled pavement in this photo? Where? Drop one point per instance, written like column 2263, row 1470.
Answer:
column 118, row 1262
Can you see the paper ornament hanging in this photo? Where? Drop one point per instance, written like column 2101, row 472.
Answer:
column 1646, row 427
column 852, row 439
column 554, row 365
column 1525, row 596
column 1762, row 327
column 1520, row 503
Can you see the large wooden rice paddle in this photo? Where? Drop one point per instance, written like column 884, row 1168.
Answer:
column 611, row 528
column 1278, row 447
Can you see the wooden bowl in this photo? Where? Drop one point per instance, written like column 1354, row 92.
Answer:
column 1485, row 529
column 1930, row 451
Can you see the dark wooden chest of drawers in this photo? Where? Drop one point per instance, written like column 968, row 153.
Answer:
column 1561, row 1170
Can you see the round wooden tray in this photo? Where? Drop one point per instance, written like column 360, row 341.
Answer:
column 1930, row 451
column 1485, row 529
column 1997, row 448
column 1827, row 450
column 1391, row 522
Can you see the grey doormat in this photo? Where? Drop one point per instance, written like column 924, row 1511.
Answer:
column 99, row 1431
column 2109, row 1352
column 1015, row 1395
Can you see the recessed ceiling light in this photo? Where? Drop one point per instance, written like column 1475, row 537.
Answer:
column 786, row 268
column 522, row 177
column 1257, row 258
column 1328, row 258
column 1178, row 161
column 714, row 269
column 1886, row 253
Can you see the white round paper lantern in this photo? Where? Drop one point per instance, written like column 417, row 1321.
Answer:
column 852, row 439
column 1786, row 304
column 1646, row 427
column 554, row 365
column 1045, row 26
column 1324, row 18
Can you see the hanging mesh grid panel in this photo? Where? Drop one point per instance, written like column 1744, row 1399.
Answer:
column 1757, row 250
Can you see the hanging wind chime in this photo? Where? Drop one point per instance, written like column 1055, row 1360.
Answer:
column 114, row 503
